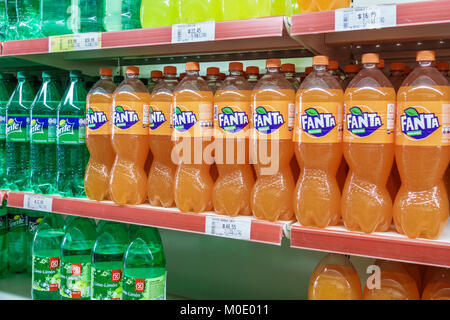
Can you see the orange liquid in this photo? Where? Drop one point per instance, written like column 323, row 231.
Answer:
column 317, row 194
column 438, row 285
column 334, row 282
column 394, row 286
column 366, row 203
column 96, row 181
column 414, row 271
column 393, row 183
column 342, row 174
column 421, row 208
column 232, row 189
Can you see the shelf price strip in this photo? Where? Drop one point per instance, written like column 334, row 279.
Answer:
column 194, row 32
column 372, row 17
column 37, row 202
column 236, row 228
column 75, row 42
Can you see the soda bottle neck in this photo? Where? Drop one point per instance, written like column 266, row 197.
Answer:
column 132, row 76
column 170, row 76
column 273, row 70
column 192, row 73
column 289, row 75
column 426, row 63
column 106, row 78
column 237, row 73
column 252, row 77
column 320, row 68
column 370, row 66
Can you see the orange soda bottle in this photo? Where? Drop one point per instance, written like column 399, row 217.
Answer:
column 381, row 65
column 213, row 78
column 318, row 147
column 334, row 278
column 232, row 189
column 444, row 68
column 192, row 121
column 289, row 72
column 368, row 149
column 415, row 272
column 422, row 151
column 333, row 69
column 162, row 172
column 98, row 137
column 438, row 285
column 396, row 283
column 351, row 70
column 397, row 74
column 130, row 140
column 308, row 70
column 271, row 145
column 252, row 75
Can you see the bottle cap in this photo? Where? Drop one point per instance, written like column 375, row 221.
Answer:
column 252, row 70
column 222, row 76
column 273, row 63
column 351, row 68
column 408, row 70
column 320, row 61
column 156, row 74
column 170, row 70
column 333, row 65
column 371, row 58
column 288, row 67
column 182, row 75
column 397, row 66
column 236, row 66
column 212, row 71
column 132, row 70
column 381, row 64
column 48, row 74
column 192, row 66
column 442, row 66
column 308, row 70
column 426, row 55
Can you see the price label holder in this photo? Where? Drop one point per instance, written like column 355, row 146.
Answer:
column 75, row 42
column 37, row 202
column 194, row 32
column 236, row 228
column 373, row 17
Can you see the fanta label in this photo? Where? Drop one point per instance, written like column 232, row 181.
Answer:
column 130, row 117
column 273, row 119
column 369, row 122
column 319, row 122
column 192, row 119
column 70, row 129
column 17, row 128
column 420, row 124
column 43, row 129
column 159, row 118
column 232, row 119
column 98, row 117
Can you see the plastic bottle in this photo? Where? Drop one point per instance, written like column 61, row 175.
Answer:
column 308, row 70
column 28, row 15
column 252, row 75
column 122, row 15
column 271, row 145
column 131, row 100
column 18, row 134
column 333, row 69
column 12, row 21
column 46, row 255
column 351, row 70
column 160, row 183
column 3, row 21
column 232, row 114
column 107, row 261
column 98, row 137
column 72, row 154
column 381, row 65
column 34, row 218
column 159, row 13
column 3, row 239
column 397, row 74
column 334, row 278
column 368, row 149
column 155, row 77
column 444, row 68
column 415, row 273
column 5, row 94
column 68, row 221
column 318, row 139
column 422, row 151
column 289, row 72
column 43, row 135
column 322, row 5
column 213, row 78
column 17, row 240
column 84, row 16
column 395, row 283
column 76, row 255
column 192, row 11
column 438, row 285
column 53, row 17
column 192, row 121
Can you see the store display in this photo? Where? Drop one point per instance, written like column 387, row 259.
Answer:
column 288, row 69
column 122, row 14
column 213, row 78
column 155, row 77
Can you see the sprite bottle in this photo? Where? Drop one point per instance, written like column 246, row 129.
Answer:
column 46, row 258
column 53, row 17
column 85, row 16
column 17, row 240
column 34, row 218
column 29, row 17
column 68, row 220
column 107, row 261
column 18, row 134
column 5, row 94
column 43, row 136
column 76, row 252
column 11, row 17
column 3, row 239
column 72, row 153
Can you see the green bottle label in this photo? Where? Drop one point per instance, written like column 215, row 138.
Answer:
column 2, row 127
column 43, row 129
column 75, row 280
column 144, row 289
column 3, row 224
column 46, row 274
column 17, row 221
column 106, row 284
column 71, row 130
column 33, row 223
column 17, row 128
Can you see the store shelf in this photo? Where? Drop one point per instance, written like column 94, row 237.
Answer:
column 387, row 245
column 260, row 231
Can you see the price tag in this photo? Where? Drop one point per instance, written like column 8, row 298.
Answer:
column 75, row 42
column 372, row 17
column 194, row 32
column 36, row 202
column 237, row 228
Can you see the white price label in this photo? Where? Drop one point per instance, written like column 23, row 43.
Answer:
column 37, row 202
column 373, row 17
column 237, row 228
column 194, row 32
column 75, row 42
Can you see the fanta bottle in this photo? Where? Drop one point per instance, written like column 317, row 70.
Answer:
column 161, row 178
column 318, row 138
column 443, row 68
column 289, row 72
column 252, row 75
column 351, row 70
column 130, row 140
column 395, row 283
column 334, row 278
column 232, row 190
column 213, row 78
column 271, row 145
column 155, row 77
column 438, row 285
column 368, row 149
column 422, row 151
column 397, row 74
column 98, row 137
column 333, row 69
column 192, row 121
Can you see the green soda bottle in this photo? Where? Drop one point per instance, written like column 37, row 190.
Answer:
column 68, row 221
column 144, row 268
column 5, row 94
column 29, row 17
column 43, row 135
column 3, row 21
column 3, row 239
column 72, row 153
column 17, row 240
column 18, row 134
column 34, row 218
column 107, row 261
column 46, row 258
column 53, row 17
column 76, row 252
column 11, row 16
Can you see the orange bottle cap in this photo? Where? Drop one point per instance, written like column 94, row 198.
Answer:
column 156, row 74
column 308, row 70
column 426, row 55
column 252, row 70
column 106, row 72
column 212, row 71
column 320, row 61
column 351, row 68
column 170, row 70
column 371, row 58
column 333, row 65
column 288, row 67
column 273, row 63
column 132, row 70
column 408, row 69
column 192, row 66
column 222, row 76
column 381, row 64
column 397, row 66
column 182, row 75
column 236, row 66
column 442, row 66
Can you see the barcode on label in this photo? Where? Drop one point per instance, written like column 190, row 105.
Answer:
column 237, row 228
column 193, row 32
column 75, row 42
column 36, row 202
column 373, row 17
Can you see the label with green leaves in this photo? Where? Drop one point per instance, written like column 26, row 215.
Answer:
column 144, row 289
column 106, row 284
column 71, row 130
column 17, row 126
column 75, row 280
column 46, row 274
column 43, row 129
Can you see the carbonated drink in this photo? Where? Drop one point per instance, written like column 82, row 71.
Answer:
column 5, row 94
column 213, row 78
column 351, row 70
column 155, row 77
column 11, row 15
column 121, row 15
column 289, row 72
column 252, row 75
column 17, row 240
column 438, row 285
column 34, row 218
column 3, row 239
column 84, row 16
column 53, row 17
column 28, row 15
column 333, row 69
column 397, row 74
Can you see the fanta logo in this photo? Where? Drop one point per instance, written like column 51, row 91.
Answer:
column 125, row 119
column 317, row 124
column 183, row 120
column 362, row 123
column 267, row 121
column 95, row 119
column 36, row 126
column 232, row 121
column 65, row 127
column 418, row 125
column 157, row 118
column 13, row 126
